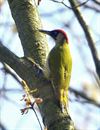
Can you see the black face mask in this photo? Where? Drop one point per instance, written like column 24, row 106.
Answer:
column 54, row 34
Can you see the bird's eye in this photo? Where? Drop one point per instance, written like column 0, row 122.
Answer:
column 55, row 34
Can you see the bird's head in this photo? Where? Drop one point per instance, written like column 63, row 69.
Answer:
column 58, row 35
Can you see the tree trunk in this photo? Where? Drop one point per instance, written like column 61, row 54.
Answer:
column 35, row 49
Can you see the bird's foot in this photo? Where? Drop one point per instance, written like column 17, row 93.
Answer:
column 63, row 108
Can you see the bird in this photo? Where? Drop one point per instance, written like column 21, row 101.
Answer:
column 58, row 66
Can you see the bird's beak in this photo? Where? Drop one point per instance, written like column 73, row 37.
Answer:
column 44, row 31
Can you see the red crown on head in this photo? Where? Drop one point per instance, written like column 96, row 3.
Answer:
column 64, row 33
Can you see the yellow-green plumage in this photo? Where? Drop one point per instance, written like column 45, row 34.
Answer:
column 60, row 65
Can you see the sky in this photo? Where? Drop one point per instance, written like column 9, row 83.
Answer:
column 10, row 112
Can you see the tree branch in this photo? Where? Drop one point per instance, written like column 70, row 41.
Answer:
column 76, row 6
column 22, row 66
column 2, row 126
column 84, row 96
column 96, row 2
column 89, row 38
column 92, row 7
column 10, row 58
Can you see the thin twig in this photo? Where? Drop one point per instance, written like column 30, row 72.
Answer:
column 84, row 96
column 96, row 2
column 37, row 118
column 8, row 70
column 62, row 2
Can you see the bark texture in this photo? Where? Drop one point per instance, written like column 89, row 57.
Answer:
column 35, row 49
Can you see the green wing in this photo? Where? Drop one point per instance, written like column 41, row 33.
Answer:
column 60, row 64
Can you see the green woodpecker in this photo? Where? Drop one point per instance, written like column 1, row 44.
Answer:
column 59, row 66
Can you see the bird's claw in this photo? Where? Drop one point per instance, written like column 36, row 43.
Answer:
column 63, row 108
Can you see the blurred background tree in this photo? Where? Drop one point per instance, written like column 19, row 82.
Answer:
column 84, row 95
